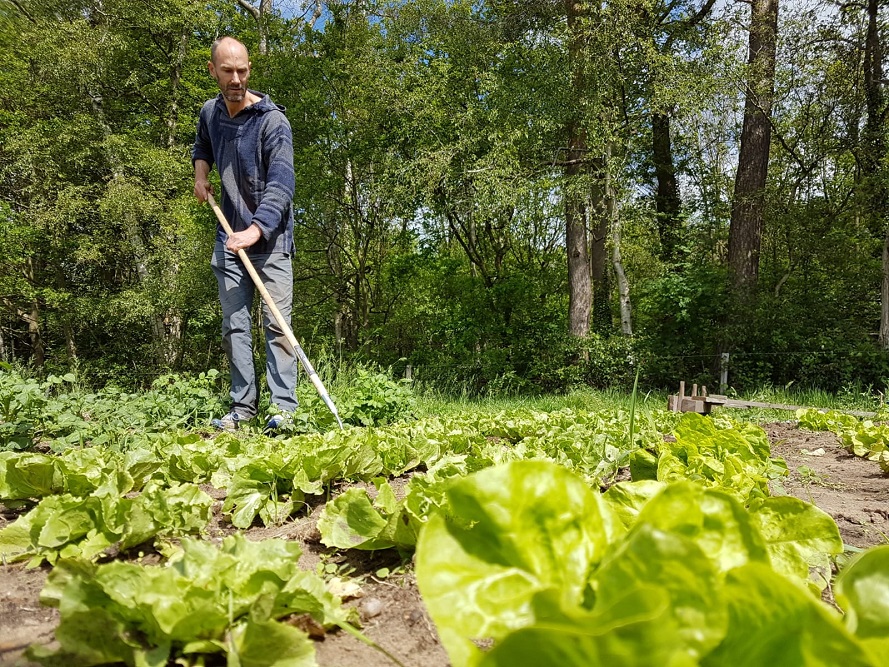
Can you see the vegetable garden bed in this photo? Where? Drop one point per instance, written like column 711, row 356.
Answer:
column 518, row 546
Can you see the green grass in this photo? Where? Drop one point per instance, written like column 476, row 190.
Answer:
column 435, row 403
column 429, row 404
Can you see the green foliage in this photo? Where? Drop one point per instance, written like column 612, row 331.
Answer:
column 860, row 437
column 66, row 526
column 362, row 398
column 431, row 186
column 516, row 541
column 22, row 403
column 207, row 600
column 862, row 591
column 531, row 559
column 720, row 452
column 57, row 412
column 594, row 361
column 680, row 314
column 353, row 521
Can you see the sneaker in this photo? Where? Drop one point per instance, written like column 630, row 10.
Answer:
column 277, row 422
column 228, row 422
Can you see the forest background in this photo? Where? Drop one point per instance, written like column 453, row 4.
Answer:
column 502, row 196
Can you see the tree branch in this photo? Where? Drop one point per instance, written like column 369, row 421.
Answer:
column 250, row 8
column 315, row 15
column 691, row 22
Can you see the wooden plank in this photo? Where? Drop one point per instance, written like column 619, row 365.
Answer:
column 703, row 404
column 695, row 405
column 731, row 403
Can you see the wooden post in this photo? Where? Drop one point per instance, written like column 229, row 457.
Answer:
column 723, row 372
column 409, row 372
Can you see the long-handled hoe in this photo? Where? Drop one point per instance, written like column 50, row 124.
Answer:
column 279, row 318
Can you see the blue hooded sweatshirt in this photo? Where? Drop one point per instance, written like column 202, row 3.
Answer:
column 253, row 153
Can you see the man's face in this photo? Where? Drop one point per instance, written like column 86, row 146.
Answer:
column 231, row 69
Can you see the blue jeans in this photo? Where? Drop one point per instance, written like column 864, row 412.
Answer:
column 236, row 290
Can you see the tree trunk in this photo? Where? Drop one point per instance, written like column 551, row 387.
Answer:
column 580, row 288
column 579, row 280
column 745, row 232
column 873, row 140
column 38, row 350
column 623, row 286
column 884, row 297
column 667, row 202
column 70, row 342
column 32, row 318
column 873, row 172
column 260, row 14
column 599, row 222
column 172, row 120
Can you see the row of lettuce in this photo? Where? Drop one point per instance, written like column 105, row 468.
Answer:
column 113, row 499
column 516, row 548
column 863, row 438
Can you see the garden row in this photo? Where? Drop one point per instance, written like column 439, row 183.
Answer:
column 521, row 558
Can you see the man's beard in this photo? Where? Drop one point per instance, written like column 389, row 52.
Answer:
column 234, row 95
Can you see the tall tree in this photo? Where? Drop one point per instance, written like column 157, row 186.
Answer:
column 745, row 231
column 580, row 284
column 873, row 154
column 671, row 25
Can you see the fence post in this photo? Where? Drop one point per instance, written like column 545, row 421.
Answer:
column 723, row 372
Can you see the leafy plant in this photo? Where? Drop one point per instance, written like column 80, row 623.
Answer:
column 533, row 562
column 719, row 452
column 57, row 413
column 862, row 590
column 860, row 437
column 362, row 397
column 66, row 526
column 207, row 600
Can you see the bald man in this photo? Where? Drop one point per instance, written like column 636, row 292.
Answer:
column 249, row 140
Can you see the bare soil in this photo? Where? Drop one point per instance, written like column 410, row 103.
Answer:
column 852, row 490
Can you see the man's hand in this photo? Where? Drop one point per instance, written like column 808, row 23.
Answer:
column 245, row 239
column 202, row 189
column 202, row 186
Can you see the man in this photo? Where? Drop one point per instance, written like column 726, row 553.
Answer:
column 249, row 140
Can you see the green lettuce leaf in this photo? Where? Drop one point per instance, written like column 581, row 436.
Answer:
column 862, row 590
column 515, row 530
column 677, row 566
column 28, row 475
column 208, row 599
column 636, row 631
column 350, row 521
column 713, row 518
column 261, row 488
column 798, row 535
column 774, row 621
column 270, row 644
column 70, row 527
column 626, row 499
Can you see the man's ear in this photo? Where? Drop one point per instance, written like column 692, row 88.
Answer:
column 211, row 68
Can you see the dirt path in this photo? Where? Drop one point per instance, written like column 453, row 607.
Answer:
column 852, row 490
